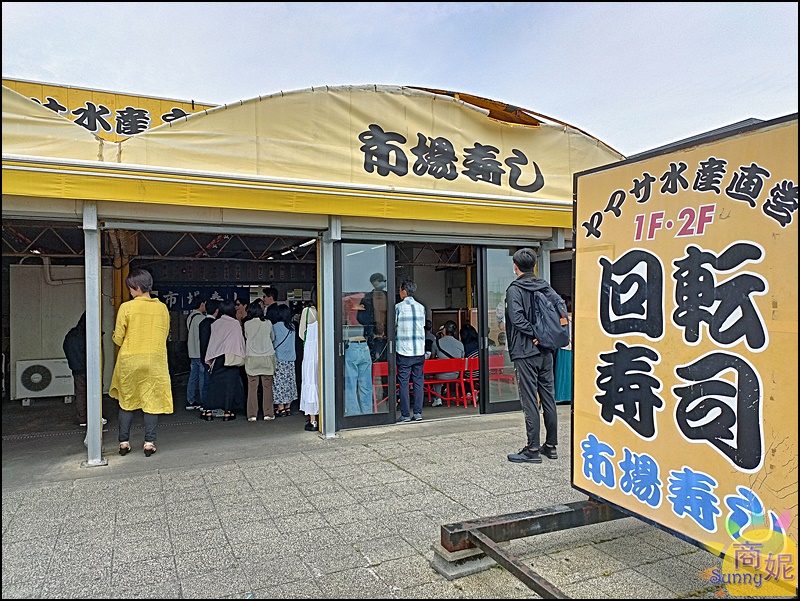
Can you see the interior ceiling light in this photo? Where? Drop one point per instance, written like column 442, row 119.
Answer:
column 287, row 251
column 306, row 243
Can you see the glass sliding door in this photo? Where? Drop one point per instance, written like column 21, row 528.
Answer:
column 498, row 379
column 364, row 327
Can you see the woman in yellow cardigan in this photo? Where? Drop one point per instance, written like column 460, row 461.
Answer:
column 141, row 376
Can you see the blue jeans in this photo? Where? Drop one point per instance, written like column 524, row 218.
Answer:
column 197, row 377
column 205, row 382
column 410, row 368
column 357, row 379
column 126, row 419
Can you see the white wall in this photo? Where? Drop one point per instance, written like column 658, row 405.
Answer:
column 41, row 314
column 430, row 288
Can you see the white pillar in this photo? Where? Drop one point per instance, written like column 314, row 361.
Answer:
column 326, row 313
column 94, row 366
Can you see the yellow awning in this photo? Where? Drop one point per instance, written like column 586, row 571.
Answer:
column 370, row 151
column 107, row 183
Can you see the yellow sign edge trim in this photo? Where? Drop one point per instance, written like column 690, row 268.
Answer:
column 88, row 183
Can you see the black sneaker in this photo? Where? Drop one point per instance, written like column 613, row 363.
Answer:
column 525, row 456
column 311, row 426
column 548, row 451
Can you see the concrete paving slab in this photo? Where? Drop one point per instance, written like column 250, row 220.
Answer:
column 270, row 510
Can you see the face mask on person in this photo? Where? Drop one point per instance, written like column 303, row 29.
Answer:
column 381, row 285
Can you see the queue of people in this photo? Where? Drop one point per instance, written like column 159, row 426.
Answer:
column 247, row 352
column 244, row 359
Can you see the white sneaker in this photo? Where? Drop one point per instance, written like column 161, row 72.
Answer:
column 252, row 419
column 268, row 418
column 437, row 403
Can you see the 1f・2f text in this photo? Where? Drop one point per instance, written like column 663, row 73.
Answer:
column 690, row 222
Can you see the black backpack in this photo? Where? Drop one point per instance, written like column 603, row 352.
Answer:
column 551, row 325
column 75, row 349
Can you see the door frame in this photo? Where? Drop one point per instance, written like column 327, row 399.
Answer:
column 344, row 422
column 482, row 294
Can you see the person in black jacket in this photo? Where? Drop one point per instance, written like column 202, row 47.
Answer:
column 373, row 317
column 204, row 333
column 75, row 351
column 532, row 363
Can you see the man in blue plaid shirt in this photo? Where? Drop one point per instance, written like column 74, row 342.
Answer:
column 410, row 323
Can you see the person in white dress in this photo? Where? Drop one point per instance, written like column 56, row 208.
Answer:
column 309, row 392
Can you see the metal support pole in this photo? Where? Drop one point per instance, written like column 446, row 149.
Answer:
column 94, row 360
column 326, row 312
column 555, row 243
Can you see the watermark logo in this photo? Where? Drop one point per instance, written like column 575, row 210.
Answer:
column 759, row 563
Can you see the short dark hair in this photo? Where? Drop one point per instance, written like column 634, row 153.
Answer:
column 141, row 279
column 272, row 292
column 196, row 302
column 212, row 305
column 525, row 260
column 284, row 314
column 226, row 307
column 377, row 276
column 469, row 334
column 450, row 327
column 254, row 310
column 409, row 286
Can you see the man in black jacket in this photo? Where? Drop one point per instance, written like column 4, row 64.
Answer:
column 373, row 317
column 75, row 351
column 204, row 334
column 533, row 364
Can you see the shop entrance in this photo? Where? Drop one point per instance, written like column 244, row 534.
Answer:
column 462, row 288
column 44, row 285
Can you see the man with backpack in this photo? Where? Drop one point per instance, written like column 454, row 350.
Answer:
column 526, row 300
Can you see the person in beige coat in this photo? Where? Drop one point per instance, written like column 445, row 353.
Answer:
column 259, row 362
column 141, row 374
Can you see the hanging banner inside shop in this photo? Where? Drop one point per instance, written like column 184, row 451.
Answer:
column 685, row 301
column 179, row 298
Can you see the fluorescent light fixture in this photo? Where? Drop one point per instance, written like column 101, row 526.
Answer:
column 36, row 252
column 379, row 246
column 286, row 252
column 306, row 243
column 358, row 252
column 270, row 258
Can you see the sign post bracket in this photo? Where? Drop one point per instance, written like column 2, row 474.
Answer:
column 469, row 547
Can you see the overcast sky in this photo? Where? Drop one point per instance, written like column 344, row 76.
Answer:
column 635, row 75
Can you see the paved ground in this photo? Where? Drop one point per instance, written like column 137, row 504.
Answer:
column 267, row 510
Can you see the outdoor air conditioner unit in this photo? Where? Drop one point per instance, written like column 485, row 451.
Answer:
column 44, row 378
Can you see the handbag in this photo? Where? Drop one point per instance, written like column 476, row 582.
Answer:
column 233, row 360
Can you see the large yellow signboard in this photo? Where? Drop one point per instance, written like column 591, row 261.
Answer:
column 112, row 116
column 685, row 317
